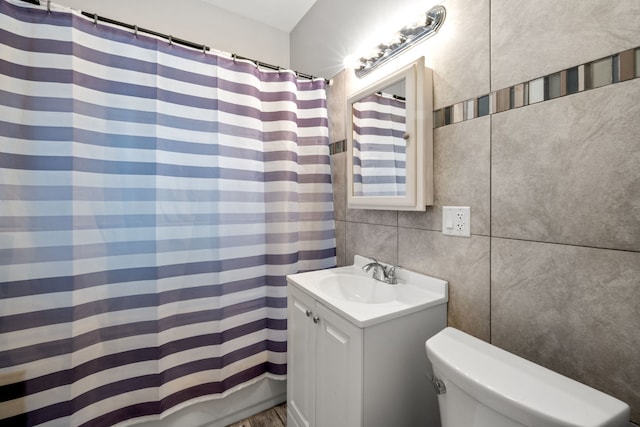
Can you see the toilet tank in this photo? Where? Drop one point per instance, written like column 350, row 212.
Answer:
column 489, row 387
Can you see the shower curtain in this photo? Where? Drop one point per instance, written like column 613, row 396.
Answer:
column 379, row 147
column 152, row 200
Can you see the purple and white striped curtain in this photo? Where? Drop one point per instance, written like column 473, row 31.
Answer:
column 379, row 147
column 152, row 200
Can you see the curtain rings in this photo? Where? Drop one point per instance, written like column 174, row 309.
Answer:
column 48, row 6
column 135, row 31
column 170, row 40
column 95, row 19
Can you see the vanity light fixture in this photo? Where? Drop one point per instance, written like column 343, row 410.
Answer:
column 402, row 40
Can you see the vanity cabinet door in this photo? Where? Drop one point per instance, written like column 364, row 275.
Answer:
column 338, row 370
column 324, row 365
column 301, row 359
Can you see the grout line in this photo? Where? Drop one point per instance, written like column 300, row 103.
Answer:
column 573, row 245
column 397, row 237
column 520, row 239
column 491, row 175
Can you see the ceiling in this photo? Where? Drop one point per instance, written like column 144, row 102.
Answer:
column 280, row 14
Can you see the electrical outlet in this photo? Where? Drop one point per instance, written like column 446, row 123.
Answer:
column 459, row 221
column 456, row 220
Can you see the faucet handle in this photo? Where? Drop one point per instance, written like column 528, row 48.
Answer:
column 390, row 273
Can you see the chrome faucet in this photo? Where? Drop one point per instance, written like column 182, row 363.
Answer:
column 386, row 274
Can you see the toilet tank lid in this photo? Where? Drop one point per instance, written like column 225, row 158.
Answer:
column 518, row 388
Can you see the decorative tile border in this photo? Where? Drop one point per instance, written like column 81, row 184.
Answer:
column 612, row 69
column 338, row 147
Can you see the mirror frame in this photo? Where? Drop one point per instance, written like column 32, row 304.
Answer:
column 419, row 152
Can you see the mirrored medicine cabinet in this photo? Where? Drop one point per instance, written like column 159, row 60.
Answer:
column 390, row 142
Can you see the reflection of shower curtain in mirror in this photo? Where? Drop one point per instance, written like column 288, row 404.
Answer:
column 379, row 147
column 152, row 200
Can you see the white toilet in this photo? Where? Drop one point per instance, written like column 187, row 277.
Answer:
column 489, row 387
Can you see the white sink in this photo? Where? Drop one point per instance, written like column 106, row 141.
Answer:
column 354, row 294
column 354, row 287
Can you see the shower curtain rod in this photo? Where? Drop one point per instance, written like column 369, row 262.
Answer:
column 204, row 48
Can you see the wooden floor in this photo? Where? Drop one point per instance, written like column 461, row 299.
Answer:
column 274, row 417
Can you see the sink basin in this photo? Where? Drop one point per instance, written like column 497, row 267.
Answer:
column 353, row 293
column 358, row 288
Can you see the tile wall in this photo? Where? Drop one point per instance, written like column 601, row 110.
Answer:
column 551, row 271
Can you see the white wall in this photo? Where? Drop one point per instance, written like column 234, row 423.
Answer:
column 196, row 21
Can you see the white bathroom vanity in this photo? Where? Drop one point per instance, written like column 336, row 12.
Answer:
column 356, row 348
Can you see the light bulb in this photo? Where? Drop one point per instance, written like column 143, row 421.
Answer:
column 351, row 61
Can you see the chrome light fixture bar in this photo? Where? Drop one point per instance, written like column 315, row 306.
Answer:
column 405, row 38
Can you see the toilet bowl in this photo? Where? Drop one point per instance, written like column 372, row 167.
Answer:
column 484, row 386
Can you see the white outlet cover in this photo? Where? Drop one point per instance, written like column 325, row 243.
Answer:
column 456, row 220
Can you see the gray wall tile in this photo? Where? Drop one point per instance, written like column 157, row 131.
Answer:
column 431, row 219
column 536, row 90
column 341, row 244
column 530, row 39
column 370, row 216
column 464, row 263
column 336, row 107
column 377, row 241
column 461, row 176
column 566, row 171
column 462, row 44
column 572, row 309
column 339, row 180
column 626, row 71
column 601, row 73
